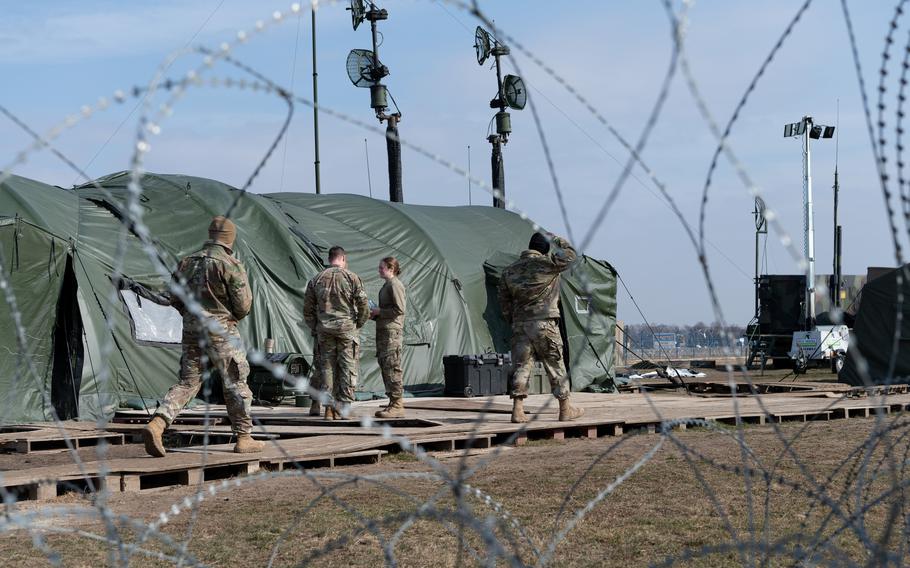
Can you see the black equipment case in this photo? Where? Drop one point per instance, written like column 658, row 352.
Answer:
column 477, row 375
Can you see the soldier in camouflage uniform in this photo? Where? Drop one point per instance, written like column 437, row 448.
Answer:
column 335, row 307
column 529, row 297
column 215, row 278
column 389, row 318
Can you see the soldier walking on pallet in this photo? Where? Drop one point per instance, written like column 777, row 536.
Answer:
column 529, row 296
column 335, row 307
column 389, row 318
column 215, row 278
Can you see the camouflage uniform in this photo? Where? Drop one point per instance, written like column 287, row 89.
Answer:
column 217, row 280
column 335, row 306
column 529, row 297
column 389, row 330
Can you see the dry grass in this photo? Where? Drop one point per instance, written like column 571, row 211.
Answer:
column 692, row 494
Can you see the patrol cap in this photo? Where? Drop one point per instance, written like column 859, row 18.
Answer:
column 222, row 231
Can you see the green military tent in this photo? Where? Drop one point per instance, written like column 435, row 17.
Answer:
column 87, row 348
column 873, row 357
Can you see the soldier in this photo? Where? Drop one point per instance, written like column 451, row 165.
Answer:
column 529, row 296
column 335, row 307
column 215, row 278
column 389, row 318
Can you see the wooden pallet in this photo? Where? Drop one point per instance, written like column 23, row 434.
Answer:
column 299, row 441
column 43, row 439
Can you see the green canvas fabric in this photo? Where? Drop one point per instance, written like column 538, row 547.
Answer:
column 33, row 263
column 282, row 240
column 873, row 333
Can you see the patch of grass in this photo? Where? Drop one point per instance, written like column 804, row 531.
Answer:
column 543, row 442
column 676, row 503
column 400, row 457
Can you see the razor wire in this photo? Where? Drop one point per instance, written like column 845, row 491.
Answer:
column 460, row 515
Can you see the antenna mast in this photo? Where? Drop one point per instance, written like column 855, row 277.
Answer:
column 365, row 70
column 510, row 93
column 838, row 235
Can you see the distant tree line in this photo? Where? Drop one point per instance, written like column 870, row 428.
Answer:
column 698, row 335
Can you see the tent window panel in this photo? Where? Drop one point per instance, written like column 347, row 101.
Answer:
column 582, row 305
column 152, row 324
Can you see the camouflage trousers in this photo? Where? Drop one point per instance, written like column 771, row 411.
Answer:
column 232, row 366
column 316, row 382
column 388, row 352
column 540, row 340
column 339, row 359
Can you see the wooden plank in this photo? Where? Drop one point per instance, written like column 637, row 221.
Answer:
column 39, row 440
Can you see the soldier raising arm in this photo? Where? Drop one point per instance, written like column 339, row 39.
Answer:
column 529, row 298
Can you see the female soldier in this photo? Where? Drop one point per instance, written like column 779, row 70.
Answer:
column 389, row 318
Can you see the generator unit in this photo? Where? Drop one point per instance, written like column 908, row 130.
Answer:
column 267, row 388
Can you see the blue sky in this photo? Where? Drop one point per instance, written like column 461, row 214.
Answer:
column 57, row 56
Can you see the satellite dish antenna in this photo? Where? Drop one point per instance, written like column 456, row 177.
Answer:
column 358, row 12
column 482, row 45
column 759, row 214
column 514, row 90
column 361, row 70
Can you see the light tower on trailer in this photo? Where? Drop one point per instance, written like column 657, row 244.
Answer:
column 808, row 130
column 816, row 343
column 510, row 93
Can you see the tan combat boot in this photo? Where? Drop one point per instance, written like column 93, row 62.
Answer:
column 247, row 445
column 568, row 412
column 331, row 413
column 151, row 434
column 315, row 408
column 518, row 410
column 395, row 409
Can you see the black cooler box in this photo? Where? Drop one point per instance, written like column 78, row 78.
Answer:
column 477, row 375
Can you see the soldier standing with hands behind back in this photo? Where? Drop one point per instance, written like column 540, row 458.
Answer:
column 335, row 307
column 529, row 297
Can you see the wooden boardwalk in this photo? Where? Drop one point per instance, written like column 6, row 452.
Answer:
column 296, row 440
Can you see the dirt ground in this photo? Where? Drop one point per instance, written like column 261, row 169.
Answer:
column 814, row 488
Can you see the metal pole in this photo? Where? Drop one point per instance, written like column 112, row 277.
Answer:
column 755, row 282
column 366, row 151
column 469, row 174
column 499, row 174
column 810, row 229
column 393, row 145
column 836, row 287
column 315, row 104
column 375, row 45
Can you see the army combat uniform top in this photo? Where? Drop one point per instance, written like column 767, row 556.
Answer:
column 389, row 331
column 335, row 306
column 215, row 278
column 529, row 298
